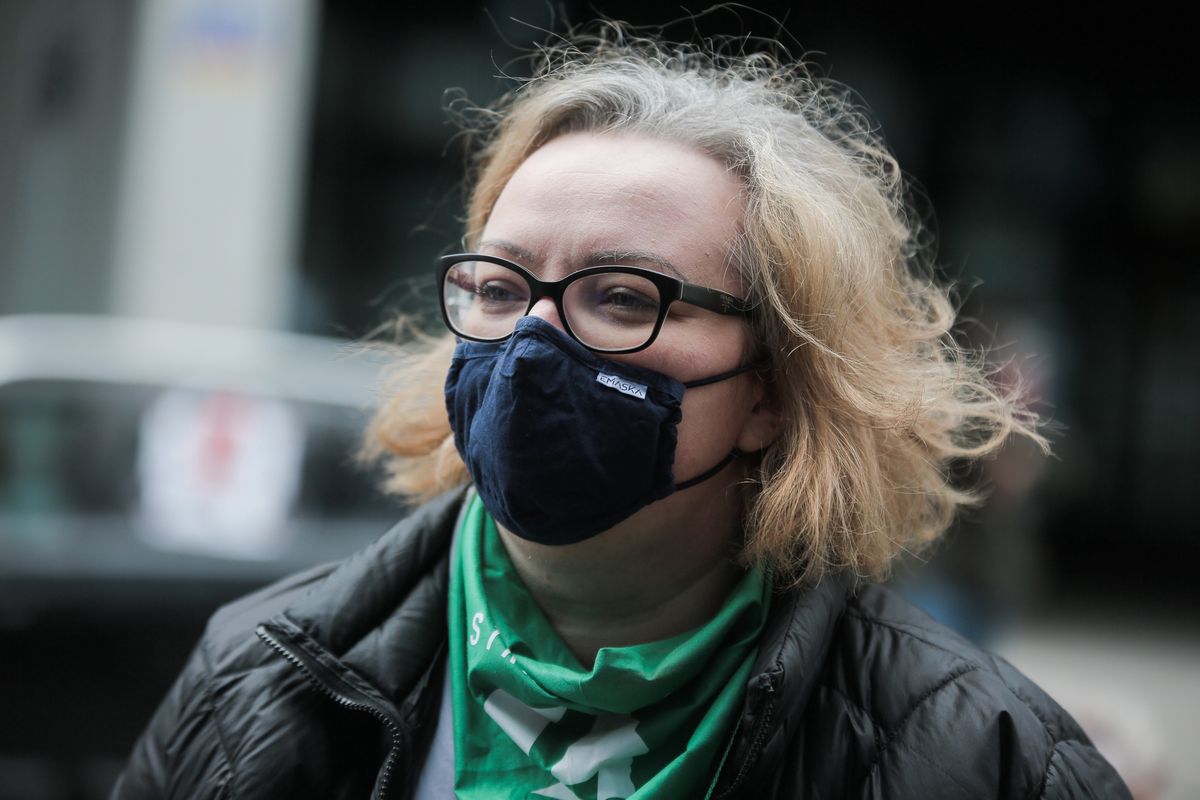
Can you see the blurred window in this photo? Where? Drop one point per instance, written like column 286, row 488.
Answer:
column 70, row 450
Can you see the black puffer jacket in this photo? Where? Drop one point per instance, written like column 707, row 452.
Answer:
column 326, row 685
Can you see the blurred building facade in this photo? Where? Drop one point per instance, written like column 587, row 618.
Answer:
column 153, row 154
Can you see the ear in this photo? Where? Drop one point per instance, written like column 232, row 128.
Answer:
column 764, row 424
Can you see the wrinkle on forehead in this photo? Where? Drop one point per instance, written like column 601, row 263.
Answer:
column 591, row 199
column 593, row 258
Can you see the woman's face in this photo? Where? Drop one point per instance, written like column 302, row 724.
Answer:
column 589, row 199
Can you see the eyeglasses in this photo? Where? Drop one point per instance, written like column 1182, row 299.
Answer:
column 608, row 309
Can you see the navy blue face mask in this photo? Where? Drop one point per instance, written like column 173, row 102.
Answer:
column 560, row 443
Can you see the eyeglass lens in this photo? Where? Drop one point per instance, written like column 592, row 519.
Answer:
column 605, row 311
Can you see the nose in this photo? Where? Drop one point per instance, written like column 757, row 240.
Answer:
column 545, row 309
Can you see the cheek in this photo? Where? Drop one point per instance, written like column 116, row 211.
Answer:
column 712, row 417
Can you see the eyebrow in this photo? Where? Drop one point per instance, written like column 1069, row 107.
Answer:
column 625, row 256
column 519, row 253
column 595, row 258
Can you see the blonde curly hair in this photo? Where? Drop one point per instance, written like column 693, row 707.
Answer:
column 877, row 399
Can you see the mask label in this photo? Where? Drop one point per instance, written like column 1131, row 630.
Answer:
column 621, row 385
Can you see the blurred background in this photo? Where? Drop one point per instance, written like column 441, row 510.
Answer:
column 205, row 203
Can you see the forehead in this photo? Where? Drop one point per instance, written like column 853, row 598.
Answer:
column 584, row 194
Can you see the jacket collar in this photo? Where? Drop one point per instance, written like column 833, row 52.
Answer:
column 795, row 643
column 382, row 612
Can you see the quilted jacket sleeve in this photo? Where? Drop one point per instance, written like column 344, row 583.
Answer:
column 1076, row 770
column 920, row 712
column 183, row 753
column 990, row 734
column 1073, row 767
column 180, row 754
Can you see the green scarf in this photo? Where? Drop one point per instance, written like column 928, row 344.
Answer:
column 647, row 721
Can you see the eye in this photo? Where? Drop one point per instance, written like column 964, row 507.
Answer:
column 499, row 291
column 625, row 297
column 615, row 297
column 495, row 286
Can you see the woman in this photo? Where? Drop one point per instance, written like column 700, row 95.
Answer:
column 699, row 388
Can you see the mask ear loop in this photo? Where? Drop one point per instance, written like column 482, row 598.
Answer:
column 722, row 464
column 735, row 453
column 723, row 375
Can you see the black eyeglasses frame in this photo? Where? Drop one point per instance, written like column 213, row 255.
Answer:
column 670, row 290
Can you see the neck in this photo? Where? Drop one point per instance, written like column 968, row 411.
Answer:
column 639, row 582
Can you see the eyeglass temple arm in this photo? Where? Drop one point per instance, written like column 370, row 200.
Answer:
column 714, row 300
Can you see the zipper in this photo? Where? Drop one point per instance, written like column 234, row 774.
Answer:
column 721, row 764
column 760, row 731
column 320, row 677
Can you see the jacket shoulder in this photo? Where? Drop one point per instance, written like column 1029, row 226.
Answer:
column 340, row 599
column 945, row 717
column 230, row 629
column 239, row 715
column 925, row 657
